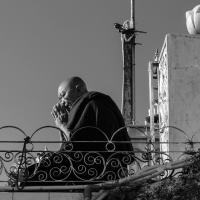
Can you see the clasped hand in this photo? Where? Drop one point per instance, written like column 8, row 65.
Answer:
column 60, row 114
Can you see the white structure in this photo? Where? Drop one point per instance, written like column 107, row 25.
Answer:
column 179, row 90
column 193, row 20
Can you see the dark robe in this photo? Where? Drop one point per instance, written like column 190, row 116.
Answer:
column 98, row 110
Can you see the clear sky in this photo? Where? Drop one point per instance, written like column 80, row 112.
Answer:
column 44, row 41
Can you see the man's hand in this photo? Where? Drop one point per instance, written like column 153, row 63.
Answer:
column 60, row 114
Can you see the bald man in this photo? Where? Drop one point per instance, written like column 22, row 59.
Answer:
column 69, row 91
column 78, row 108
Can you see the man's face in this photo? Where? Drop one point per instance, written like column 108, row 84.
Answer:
column 67, row 94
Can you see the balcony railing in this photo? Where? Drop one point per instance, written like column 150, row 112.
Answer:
column 37, row 160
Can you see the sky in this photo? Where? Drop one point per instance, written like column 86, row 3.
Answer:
column 42, row 42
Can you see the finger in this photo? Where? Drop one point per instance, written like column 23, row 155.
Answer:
column 54, row 109
column 60, row 118
column 53, row 115
column 59, row 107
column 63, row 110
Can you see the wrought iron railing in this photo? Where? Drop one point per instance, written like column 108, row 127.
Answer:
column 36, row 160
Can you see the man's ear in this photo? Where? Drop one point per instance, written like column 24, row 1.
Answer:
column 78, row 88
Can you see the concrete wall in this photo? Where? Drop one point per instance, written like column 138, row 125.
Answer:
column 179, row 90
column 138, row 136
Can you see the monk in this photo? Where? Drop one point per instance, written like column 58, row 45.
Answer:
column 84, row 116
column 79, row 108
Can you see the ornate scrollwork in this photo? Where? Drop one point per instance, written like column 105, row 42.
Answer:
column 75, row 163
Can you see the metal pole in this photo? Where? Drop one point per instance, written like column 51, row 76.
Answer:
column 128, row 31
column 128, row 89
column 132, row 13
column 132, row 24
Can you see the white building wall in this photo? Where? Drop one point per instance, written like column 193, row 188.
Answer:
column 179, row 89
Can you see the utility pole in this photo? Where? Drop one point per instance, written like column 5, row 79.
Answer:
column 128, row 35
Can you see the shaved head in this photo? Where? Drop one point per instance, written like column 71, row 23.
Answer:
column 76, row 81
column 71, row 89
